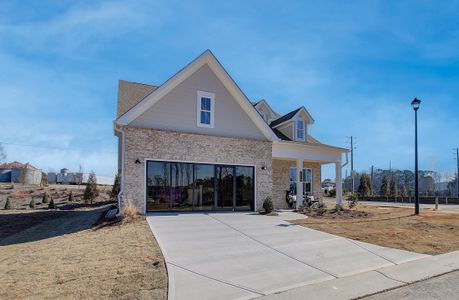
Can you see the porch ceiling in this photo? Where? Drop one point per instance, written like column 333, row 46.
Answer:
column 308, row 152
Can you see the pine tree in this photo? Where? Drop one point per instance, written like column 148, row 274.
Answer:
column 45, row 198
column 8, row 203
column 365, row 186
column 51, row 204
column 91, row 191
column 116, row 187
column 385, row 187
column 393, row 188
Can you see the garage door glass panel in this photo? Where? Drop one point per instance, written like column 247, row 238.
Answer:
column 224, row 187
column 204, row 187
column 181, row 186
column 244, row 188
column 158, row 186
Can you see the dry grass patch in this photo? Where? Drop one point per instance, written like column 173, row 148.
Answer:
column 432, row 232
column 110, row 261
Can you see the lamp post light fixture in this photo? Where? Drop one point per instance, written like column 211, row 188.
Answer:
column 415, row 104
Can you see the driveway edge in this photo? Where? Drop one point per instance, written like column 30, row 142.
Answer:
column 377, row 281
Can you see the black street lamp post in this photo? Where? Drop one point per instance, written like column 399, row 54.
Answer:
column 415, row 104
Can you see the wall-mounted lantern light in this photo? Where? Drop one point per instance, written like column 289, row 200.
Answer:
column 137, row 161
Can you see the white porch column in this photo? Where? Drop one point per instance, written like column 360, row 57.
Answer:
column 299, row 184
column 339, row 184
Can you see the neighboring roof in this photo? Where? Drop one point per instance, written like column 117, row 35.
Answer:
column 131, row 93
column 208, row 58
column 290, row 115
column 16, row 165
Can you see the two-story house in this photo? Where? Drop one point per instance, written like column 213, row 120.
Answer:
column 197, row 143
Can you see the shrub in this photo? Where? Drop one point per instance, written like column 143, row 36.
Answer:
column 321, row 210
column 332, row 193
column 51, row 204
column 91, row 191
column 130, row 212
column 71, row 197
column 268, row 205
column 32, row 203
column 8, row 204
column 353, row 200
column 45, row 198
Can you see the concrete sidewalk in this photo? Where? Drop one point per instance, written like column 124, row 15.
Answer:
column 368, row 283
column 246, row 255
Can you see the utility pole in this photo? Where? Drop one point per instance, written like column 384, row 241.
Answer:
column 352, row 164
column 457, row 172
column 372, row 174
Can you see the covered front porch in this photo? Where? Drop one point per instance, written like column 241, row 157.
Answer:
column 297, row 170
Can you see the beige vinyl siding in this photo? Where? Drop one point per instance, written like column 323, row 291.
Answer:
column 177, row 110
column 287, row 129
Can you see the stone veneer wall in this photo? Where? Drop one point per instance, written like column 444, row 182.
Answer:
column 281, row 180
column 155, row 144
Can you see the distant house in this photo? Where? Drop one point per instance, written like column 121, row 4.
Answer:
column 20, row 173
column 67, row 177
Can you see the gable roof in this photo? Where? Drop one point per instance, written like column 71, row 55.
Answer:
column 130, row 94
column 208, row 58
column 16, row 165
column 263, row 101
column 291, row 115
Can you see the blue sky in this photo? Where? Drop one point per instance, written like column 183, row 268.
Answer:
column 355, row 65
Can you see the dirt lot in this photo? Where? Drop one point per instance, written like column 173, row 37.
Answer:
column 20, row 195
column 431, row 232
column 71, row 255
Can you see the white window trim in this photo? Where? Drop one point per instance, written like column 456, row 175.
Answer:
column 212, row 109
column 296, row 130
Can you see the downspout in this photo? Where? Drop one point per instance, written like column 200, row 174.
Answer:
column 121, row 193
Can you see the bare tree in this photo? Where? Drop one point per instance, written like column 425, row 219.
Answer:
column 79, row 176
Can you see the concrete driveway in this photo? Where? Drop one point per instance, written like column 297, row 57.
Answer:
column 246, row 255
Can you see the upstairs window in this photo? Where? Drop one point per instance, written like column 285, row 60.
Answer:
column 300, row 130
column 205, row 109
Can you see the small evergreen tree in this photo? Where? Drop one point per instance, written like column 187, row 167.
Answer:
column 268, row 205
column 32, row 203
column 44, row 179
column 51, row 204
column 45, row 198
column 91, row 191
column 385, row 188
column 71, row 197
column 393, row 188
column 116, row 187
column 365, row 189
column 8, row 203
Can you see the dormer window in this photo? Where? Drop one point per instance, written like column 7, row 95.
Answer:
column 205, row 109
column 300, row 136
